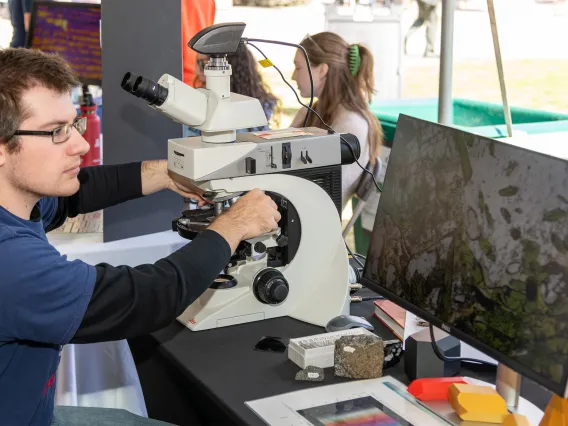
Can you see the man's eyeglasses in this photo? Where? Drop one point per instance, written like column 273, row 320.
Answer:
column 60, row 134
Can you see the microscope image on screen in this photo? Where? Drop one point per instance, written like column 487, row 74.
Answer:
column 475, row 232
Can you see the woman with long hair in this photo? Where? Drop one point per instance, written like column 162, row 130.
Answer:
column 246, row 80
column 343, row 85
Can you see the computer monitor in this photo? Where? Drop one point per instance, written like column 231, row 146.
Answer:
column 471, row 234
column 73, row 31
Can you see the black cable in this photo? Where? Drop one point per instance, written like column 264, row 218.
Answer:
column 441, row 356
column 353, row 256
column 248, row 40
column 361, row 256
column 309, row 108
column 359, row 164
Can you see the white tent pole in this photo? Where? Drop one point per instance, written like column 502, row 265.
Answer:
column 498, row 59
column 445, row 104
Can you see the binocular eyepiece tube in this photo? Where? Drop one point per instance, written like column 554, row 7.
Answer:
column 144, row 88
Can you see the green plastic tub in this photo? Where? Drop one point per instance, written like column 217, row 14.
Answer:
column 473, row 116
column 481, row 118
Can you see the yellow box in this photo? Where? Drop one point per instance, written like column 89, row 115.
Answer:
column 477, row 403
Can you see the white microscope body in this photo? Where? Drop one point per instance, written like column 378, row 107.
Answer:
column 309, row 281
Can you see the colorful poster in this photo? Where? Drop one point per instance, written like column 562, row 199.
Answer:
column 72, row 31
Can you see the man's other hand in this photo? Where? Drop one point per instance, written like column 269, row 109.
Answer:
column 252, row 215
column 156, row 176
column 187, row 192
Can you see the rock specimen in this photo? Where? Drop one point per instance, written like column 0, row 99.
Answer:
column 359, row 357
column 310, row 374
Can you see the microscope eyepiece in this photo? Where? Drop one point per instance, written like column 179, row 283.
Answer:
column 128, row 81
column 149, row 90
column 145, row 88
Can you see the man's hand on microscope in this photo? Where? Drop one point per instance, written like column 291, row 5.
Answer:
column 252, row 215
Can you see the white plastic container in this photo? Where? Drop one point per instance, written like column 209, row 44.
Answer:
column 318, row 350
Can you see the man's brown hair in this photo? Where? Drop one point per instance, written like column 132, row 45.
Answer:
column 21, row 70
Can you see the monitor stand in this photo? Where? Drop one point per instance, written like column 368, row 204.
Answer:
column 508, row 385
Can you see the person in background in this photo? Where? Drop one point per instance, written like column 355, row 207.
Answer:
column 343, row 84
column 427, row 14
column 246, row 80
column 195, row 15
column 20, row 12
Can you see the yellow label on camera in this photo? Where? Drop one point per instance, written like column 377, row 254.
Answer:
column 265, row 63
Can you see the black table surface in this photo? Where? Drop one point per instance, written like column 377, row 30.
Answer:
column 221, row 366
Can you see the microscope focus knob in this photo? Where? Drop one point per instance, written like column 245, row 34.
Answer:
column 271, row 287
column 260, row 247
column 282, row 241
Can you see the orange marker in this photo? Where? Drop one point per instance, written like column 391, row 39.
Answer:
column 433, row 389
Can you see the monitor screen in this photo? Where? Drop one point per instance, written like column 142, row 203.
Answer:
column 471, row 234
column 73, row 31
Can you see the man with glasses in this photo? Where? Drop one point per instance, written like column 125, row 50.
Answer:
column 47, row 301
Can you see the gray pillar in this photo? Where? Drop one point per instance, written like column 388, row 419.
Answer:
column 144, row 37
column 445, row 104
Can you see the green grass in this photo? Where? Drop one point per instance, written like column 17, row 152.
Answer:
column 538, row 84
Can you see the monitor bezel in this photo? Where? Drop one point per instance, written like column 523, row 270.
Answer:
column 517, row 366
column 54, row 4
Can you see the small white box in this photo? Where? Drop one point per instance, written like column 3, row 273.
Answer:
column 318, row 350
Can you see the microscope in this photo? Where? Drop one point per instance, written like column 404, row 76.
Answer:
column 299, row 270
